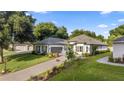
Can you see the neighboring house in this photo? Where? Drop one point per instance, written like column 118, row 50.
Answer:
column 22, row 47
column 51, row 45
column 118, row 47
column 83, row 44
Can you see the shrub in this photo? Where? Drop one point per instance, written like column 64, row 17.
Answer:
column 102, row 51
column 86, row 54
column 111, row 59
column 70, row 54
column 33, row 52
column 117, row 60
column 50, row 55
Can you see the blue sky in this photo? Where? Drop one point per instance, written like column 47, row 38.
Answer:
column 98, row 21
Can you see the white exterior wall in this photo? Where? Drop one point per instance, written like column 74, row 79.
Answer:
column 84, row 48
column 102, row 48
column 49, row 48
column 23, row 48
column 118, row 50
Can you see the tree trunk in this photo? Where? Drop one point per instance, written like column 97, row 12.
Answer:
column 13, row 48
column 1, row 55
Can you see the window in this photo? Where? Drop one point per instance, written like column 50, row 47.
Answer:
column 79, row 48
column 87, row 49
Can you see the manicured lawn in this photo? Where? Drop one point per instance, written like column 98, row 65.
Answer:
column 7, row 52
column 89, row 70
column 22, row 61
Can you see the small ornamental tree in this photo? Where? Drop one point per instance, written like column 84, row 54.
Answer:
column 94, row 47
column 70, row 53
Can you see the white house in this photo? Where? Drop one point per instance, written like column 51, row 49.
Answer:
column 22, row 47
column 118, row 48
column 54, row 45
column 83, row 44
column 80, row 44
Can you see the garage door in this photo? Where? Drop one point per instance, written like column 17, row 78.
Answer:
column 56, row 49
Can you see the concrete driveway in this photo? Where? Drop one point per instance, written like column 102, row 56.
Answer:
column 34, row 70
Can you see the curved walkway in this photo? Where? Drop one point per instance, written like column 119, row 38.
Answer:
column 104, row 60
column 34, row 70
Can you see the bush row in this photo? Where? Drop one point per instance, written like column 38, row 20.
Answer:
column 50, row 73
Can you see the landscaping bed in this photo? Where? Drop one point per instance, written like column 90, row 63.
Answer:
column 89, row 70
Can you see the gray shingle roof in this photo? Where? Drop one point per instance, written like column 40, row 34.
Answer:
column 86, row 39
column 53, row 41
column 119, row 40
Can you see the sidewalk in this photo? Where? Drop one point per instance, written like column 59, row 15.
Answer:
column 104, row 60
column 34, row 70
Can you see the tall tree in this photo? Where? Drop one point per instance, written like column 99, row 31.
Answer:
column 44, row 30
column 100, row 37
column 21, row 27
column 62, row 33
column 4, row 33
column 115, row 33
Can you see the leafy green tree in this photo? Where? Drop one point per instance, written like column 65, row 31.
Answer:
column 44, row 30
column 4, row 40
column 115, row 33
column 62, row 33
column 21, row 27
column 100, row 37
column 70, row 53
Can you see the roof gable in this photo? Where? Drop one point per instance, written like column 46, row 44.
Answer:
column 53, row 41
column 86, row 39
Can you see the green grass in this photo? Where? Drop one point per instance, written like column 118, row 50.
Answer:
column 7, row 52
column 22, row 61
column 90, row 70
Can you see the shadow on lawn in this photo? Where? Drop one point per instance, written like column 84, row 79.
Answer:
column 24, row 57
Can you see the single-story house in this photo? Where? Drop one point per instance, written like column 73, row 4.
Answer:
column 48, row 45
column 22, row 47
column 80, row 44
column 118, row 47
column 83, row 44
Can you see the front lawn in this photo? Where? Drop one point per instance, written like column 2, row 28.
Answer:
column 22, row 61
column 90, row 70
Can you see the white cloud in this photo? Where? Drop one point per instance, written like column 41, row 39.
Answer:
column 42, row 12
column 27, row 14
column 105, row 12
column 120, row 20
column 54, row 22
column 113, row 24
column 103, row 26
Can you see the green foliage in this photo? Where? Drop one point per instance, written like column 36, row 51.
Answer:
column 111, row 59
column 94, row 47
column 115, row 33
column 44, row 30
column 22, row 61
column 70, row 54
column 48, row 29
column 21, row 27
column 62, row 33
column 90, row 70
column 85, row 54
column 101, row 51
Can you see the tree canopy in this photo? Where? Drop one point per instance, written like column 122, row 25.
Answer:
column 115, row 33
column 49, row 29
